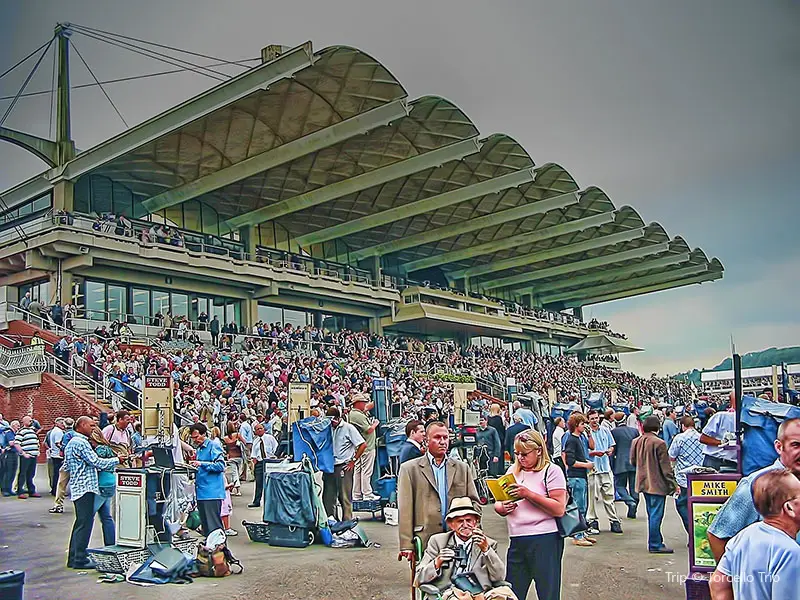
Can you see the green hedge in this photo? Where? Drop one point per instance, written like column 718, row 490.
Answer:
column 448, row 378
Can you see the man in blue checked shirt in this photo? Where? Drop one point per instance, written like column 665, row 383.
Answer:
column 687, row 452
column 210, row 482
column 740, row 511
column 82, row 463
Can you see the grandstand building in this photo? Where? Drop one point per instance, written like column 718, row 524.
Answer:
column 311, row 189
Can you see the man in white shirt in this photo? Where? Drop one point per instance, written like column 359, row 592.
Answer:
column 558, row 433
column 264, row 447
column 55, row 455
column 348, row 446
column 246, row 437
column 716, row 435
column 762, row 562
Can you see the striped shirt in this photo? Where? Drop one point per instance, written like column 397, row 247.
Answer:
column 27, row 438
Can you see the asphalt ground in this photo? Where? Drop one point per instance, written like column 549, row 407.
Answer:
column 617, row 568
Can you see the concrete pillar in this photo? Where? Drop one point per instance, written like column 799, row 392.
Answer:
column 60, row 287
column 578, row 312
column 250, row 313
column 375, row 326
column 9, row 293
column 64, row 196
column 248, row 235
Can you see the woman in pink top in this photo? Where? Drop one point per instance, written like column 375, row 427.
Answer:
column 536, row 547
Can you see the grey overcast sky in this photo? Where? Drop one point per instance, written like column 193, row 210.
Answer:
column 685, row 110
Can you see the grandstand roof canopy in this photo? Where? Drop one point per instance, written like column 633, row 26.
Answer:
column 329, row 148
column 602, row 343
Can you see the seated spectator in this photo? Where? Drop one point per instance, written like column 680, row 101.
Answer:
column 463, row 551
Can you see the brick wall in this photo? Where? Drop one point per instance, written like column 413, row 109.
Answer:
column 54, row 398
column 25, row 329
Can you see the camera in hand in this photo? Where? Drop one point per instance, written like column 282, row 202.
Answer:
column 461, row 559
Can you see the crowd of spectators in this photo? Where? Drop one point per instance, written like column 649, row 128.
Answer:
column 213, row 382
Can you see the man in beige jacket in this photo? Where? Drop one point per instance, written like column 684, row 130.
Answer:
column 426, row 486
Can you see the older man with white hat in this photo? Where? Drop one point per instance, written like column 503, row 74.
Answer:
column 463, row 557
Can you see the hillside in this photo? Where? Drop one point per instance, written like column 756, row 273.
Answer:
column 762, row 358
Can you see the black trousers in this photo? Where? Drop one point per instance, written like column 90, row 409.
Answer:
column 537, row 559
column 8, row 470
column 210, row 517
column 56, row 466
column 258, row 473
column 27, row 471
column 81, row 530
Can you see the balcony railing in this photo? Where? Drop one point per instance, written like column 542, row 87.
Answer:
column 15, row 362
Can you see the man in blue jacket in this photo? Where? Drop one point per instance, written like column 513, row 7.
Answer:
column 210, row 481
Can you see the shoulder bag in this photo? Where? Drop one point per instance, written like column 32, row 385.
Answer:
column 572, row 521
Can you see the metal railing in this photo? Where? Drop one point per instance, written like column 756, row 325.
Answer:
column 46, row 324
column 140, row 233
column 27, row 360
column 489, row 387
column 99, row 389
column 40, row 321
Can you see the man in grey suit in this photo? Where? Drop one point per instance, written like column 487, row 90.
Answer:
column 624, row 471
column 463, row 551
column 425, row 487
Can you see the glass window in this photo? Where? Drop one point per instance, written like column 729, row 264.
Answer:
column 230, row 313
column 298, row 318
column 199, row 305
column 81, row 195
column 123, row 200
column 210, row 219
column 95, row 300
column 218, row 310
column 237, row 312
column 41, row 203
column 117, row 302
column 180, row 305
column 141, row 305
column 159, row 302
column 39, row 291
column 101, row 195
column 269, row 314
column 191, row 215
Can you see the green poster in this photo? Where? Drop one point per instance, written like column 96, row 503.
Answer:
column 702, row 516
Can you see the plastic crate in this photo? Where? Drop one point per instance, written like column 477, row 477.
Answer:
column 117, row 559
column 375, row 507
column 187, row 546
column 258, row 532
column 697, row 588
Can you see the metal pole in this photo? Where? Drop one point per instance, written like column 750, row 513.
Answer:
column 66, row 147
column 737, row 399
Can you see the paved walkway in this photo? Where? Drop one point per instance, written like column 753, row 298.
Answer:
column 617, row 568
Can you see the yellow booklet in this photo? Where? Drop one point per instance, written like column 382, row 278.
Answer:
column 499, row 487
